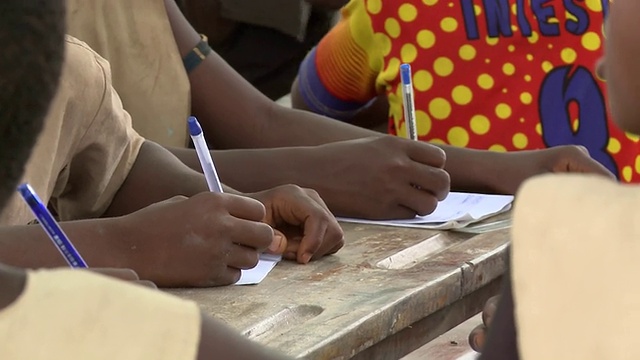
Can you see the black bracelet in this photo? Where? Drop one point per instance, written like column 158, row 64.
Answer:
column 197, row 54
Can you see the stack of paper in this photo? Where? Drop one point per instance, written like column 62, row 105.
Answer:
column 456, row 211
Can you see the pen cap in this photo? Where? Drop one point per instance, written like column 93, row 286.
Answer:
column 405, row 74
column 28, row 194
column 194, row 126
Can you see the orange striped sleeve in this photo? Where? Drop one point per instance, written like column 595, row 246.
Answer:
column 336, row 78
column 343, row 66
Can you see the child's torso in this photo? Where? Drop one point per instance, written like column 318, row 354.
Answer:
column 504, row 75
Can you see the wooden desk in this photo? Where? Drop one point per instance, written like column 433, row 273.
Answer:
column 386, row 293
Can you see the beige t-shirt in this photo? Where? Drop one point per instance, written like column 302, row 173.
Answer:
column 87, row 146
column 73, row 314
column 137, row 40
column 575, row 266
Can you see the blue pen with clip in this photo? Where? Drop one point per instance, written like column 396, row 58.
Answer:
column 208, row 168
column 51, row 227
column 408, row 102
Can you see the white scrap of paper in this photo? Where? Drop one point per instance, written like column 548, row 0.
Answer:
column 456, row 211
column 255, row 275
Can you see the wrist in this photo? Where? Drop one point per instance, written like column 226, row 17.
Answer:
column 309, row 167
column 501, row 173
column 123, row 245
column 481, row 171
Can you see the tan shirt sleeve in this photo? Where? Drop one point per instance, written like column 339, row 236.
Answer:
column 106, row 151
column 575, row 268
column 287, row 16
column 73, row 314
column 87, row 146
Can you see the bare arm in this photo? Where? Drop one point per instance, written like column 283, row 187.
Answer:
column 353, row 178
column 29, row 247
column 236, row 115
column 218, row 341
column 157, row 175
column 253, row 170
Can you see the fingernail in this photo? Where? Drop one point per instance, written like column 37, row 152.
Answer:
column 276, row 244
column 306, row 257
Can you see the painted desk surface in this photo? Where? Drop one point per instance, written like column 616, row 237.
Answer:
column 387, row 292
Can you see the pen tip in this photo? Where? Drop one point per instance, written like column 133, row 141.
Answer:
column 194, row 126
column 24, row 187
column 405, row 73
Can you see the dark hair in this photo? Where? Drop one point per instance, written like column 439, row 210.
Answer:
column 31, row 56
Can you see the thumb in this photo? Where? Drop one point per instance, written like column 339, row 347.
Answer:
column 278, row 244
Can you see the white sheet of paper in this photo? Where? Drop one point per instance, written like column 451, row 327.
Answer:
column 456, row 211
column 254, row 276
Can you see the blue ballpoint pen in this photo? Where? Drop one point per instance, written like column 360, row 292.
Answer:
column 51, row 227
column 208, row 168
column 408, row 102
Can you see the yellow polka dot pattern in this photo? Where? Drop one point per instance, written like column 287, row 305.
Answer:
column 407, row 12
column 480, row 124
column 461, row 95
column 484, row 92
column 440, row 108
column 443, row 66
column 422, row 80
column 467, row 52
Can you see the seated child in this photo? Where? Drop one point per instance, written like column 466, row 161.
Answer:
column 572, row 291
column 499, row 75
column 54, row 314
column 358, row 172
column 89, row 163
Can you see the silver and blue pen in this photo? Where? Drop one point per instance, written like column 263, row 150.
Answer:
column 408, row 102
column 51, row 227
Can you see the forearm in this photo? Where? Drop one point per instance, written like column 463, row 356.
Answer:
column 308, row 129
column 29, row 247
column 255, row 170
column 157, row 175
column 481, row 170
column 234, row 114
column 219, row 341
column 260, row 169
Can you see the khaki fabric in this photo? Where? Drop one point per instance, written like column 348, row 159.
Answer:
column 576, row 245
column 148, row 74
column 87, row 146
column 73, row 314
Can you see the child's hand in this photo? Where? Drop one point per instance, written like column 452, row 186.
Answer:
column 201, row 241
column 478, row 335
column 570, row 159
column 386, row 177
column 521, row 165
column 124, row 274
column 302, row 218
